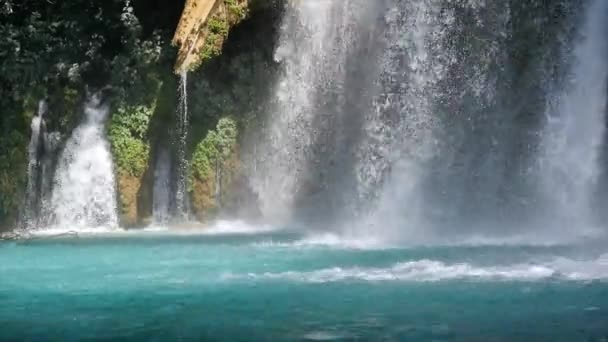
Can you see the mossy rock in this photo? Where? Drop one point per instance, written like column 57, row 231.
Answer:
column 215, row 159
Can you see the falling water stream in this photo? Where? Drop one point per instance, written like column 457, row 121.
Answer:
column 32, row 194
column 441, row 134
column 84, row 195
column 306, row 152
column 181, row 192
column 162, row 188
column 575, row 125
column 402, row 128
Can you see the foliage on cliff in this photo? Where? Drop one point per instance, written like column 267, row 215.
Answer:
column 213, row 168
column 128, row 135
column 12, row 176
column 230, row 93
column 217, row 29
column 239, row 81
column 61, row 51
column 203, row 29
column 133, row 131
column 217, row 147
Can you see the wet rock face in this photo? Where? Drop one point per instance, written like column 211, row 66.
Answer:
column 203, row 28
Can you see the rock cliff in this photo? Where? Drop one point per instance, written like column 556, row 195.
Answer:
column 203, row 28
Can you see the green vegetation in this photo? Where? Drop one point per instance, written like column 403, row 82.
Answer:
column 13, row 164
column 63, row 51
column 217, row 147
column 237, row 82
column 218, row 26
column 216, row 31
column 238, row 9
column 128, row 136
column 214, row 165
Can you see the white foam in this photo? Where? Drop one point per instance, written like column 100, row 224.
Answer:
column 373, row 238
column 596, row 269
column 366, row 241
column 60, row 231
column 327, row 240
column 226, row 227
column 432, row 271
column 156, row 228
column 324, row 336
column 334, row 240
column 221, row 227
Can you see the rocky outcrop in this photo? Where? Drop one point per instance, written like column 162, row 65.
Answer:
column 203, row 28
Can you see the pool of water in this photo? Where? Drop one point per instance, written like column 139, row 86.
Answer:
column 271, row 286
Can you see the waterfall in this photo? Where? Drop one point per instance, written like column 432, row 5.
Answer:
column 442, row 135
column 575, row 124
column 84, row 194
column 32, row 194
column 162, row 187
column 289, row 132
column 357, row 124
column 52, row 144
column 181, row 193
column 422, row 119
column 301, row 158
column 402, row 128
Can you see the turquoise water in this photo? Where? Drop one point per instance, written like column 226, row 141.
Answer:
column 286, row 287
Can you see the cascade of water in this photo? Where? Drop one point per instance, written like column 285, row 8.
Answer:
column 32, row 195
column 401, row 129
column 162, row 188
column 455, row 138
column 84, row 194
column 181, row 198
column 301, row 49
column 455, row 141
column 575, row 125
column 306, row 136
column 443, row 131
column 52, row 144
